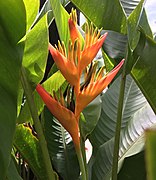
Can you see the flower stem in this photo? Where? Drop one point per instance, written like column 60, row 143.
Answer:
column 37, row 124
column 84, row 154
column 81, row 163
column 118, row 126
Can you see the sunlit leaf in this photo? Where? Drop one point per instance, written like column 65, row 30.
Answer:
column 36, row 51
column 28, row 146
column 32, row 8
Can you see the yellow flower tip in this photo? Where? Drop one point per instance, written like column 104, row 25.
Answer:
column 73, row 16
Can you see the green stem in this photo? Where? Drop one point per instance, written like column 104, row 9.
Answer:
column 118, row 126
column 84, row 155
column 81, row 163
column 37, row 124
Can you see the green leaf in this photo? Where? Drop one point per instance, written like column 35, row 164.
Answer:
column 28, row 146
column 99, row 13
column 150, row 154
column 32, row 9
column 132, row 25
column 53, row 83
column 144, row 69
column 12, row 172
column 145, row 25
column 36, row 51
column 61, row 19
column 61, row 148
column 132, row 142
column 115, row 45
column 133, row 168
column 91, row 114
column 105, row 128
column 12, row 29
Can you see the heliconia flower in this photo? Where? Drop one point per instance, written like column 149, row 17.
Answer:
column 91, row 49
column 93, row 41
column 66, row 65
column 93, row 88
column 66, row 117
column 72, row 64
column 74, row 32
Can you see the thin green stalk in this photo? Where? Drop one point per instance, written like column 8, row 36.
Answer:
column 37, row 124
column 118, row 126
column 84, row 155
column 81, row 163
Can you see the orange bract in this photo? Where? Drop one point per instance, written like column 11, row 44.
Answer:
column 63, row 115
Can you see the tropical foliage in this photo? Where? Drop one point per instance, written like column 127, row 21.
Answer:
column 45, row 120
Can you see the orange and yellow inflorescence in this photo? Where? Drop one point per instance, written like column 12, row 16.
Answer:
column 72, row 63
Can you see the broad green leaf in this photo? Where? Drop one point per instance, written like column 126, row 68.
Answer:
column 12, row 29
column 150, row 154
column 115, row 45
column 61, row 148
column 133, row 168
column 36, row 51
column 61, row 19
column 132, row 142
column 144, row 69
column 32, row 8
column 28, row 146
column 91, row 114
column 132, row 25
column 133, row 101
column 12, row 172
column 99, row 13
column 53, row 83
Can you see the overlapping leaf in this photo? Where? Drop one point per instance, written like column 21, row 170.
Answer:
column 28, row 146
column 133, row 101
column 61, row 148
column 36, row 51
column 132, row 142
